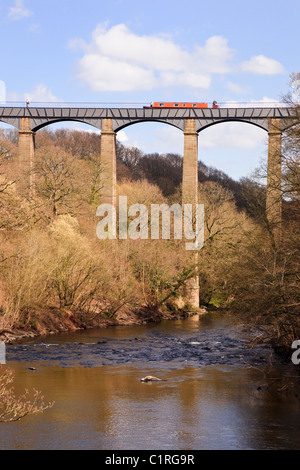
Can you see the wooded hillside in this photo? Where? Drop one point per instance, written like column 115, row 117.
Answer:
column 56, row 274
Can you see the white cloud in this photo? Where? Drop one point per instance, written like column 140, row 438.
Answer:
column 83, row 128
column 151, row 137
column 122, row 137
column 119, row 60
column 41, row 94
column 120, row 44
column 265, row 102
column 237, row 89
column 167, row 139
column 35, row 28
column 116, row 59
column 262, row 65
column 232, row 135
column 2, row 91
column 19, row 11
column 188, row 79
column 104, row 73
column 215, row 56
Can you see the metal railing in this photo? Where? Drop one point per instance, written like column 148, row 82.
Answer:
column 64, row 104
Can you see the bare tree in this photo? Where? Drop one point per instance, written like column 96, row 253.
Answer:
column 96, row 183
column 14, row 408
column 56, row 179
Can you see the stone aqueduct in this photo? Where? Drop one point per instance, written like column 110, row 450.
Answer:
column 190, row 121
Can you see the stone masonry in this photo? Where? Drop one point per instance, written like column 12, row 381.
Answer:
column 274, row 194
column 26, row 147
column 109, row 163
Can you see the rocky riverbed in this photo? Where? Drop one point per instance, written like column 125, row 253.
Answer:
column 231, row 345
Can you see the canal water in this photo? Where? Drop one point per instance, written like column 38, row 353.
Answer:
column 219, row 390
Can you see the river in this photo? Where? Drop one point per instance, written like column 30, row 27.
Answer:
column 217, row 392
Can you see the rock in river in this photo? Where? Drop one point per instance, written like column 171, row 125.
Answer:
column 150, row 378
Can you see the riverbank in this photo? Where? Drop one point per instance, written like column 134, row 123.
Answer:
column 53, row 321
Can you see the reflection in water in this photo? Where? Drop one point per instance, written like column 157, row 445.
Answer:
column 215, row 406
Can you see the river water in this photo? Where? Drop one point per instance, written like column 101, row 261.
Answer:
column 218, row 390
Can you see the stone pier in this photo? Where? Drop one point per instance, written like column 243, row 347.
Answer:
column 26, row 147
column 190, row 164
column 109, row 163
column 274, row 193
column 190, row 196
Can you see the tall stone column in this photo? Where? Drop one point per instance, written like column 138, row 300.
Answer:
column 26, row 146
column 274, row 194
column 190, row 196
column 109, row 163
column 190, row 163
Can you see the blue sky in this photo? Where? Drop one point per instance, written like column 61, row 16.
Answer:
column 138, row 51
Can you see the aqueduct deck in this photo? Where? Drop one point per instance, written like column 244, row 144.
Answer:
column 122, row 117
